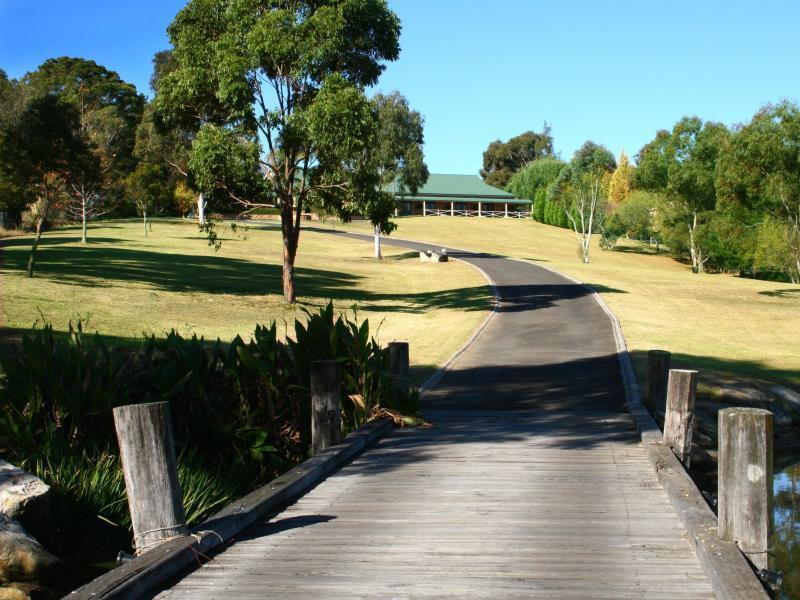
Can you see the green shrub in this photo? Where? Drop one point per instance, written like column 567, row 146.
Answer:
column 241, row 413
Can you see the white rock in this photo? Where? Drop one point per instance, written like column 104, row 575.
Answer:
column 23, row 496
column 22, row 558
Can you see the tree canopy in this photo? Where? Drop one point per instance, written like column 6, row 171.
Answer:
column 759, row 170
column 502, row 159
column 283, row 82
column 680, row 165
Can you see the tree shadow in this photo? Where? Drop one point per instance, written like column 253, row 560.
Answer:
column 108, row 266
column 604, row 289
column 720, row 367
column 784, row 293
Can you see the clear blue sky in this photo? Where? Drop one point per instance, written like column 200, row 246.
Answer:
column 614, row 72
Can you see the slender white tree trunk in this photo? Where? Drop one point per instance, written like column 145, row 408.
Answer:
column 83, row 223
column 144, row 217
column 201, row 208
column 694, row 251
column 378, row 254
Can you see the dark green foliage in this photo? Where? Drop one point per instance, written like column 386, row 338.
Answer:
column 241, row 412
column 534, row 180
column 502, row 160
column 280, row 85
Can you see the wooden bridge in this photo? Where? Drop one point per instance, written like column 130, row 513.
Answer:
column 532, row 482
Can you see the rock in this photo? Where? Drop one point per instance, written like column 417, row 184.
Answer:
column 13, row 593
column 25, row 591
column 22, row 558
column 23, row 497
column 423, row 257
column 789, row 399
column 740, row 394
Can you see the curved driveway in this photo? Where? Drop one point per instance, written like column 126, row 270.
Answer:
column 531, row 483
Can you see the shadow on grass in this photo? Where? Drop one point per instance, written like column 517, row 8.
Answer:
column 641, row 248
column 106, row 266
column 604, row 289
column 790, row 293
column 715, row 366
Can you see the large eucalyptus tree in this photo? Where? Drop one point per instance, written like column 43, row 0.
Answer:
column 275, row 91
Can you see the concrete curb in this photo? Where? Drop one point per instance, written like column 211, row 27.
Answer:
column 731, row 576
column 146, row 573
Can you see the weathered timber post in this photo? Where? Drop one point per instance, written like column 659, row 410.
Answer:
column 326, row 405
column 657, row 373
column 681, row 391
column 745, row 482
column 147, row 450
column 398, row 363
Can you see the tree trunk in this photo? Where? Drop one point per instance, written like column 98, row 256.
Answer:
column 144, row 218
column 694, row 251
column 288, row 271
column 378, row 254
column 201, row 208
column 31, row 256
column 83, row 225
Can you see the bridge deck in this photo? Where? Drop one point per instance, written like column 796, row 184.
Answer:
column 530, row 483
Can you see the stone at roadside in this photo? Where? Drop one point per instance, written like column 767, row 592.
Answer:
column 789, row 399
column 23, row 497
column 25, row 591
column 22, row 558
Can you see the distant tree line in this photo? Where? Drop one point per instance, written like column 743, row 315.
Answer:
column 718, row 198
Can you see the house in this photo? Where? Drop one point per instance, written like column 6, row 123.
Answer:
column 462, row 196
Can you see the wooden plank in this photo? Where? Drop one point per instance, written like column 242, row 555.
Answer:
column 147, row 452
column 681, row 391
column 147, row 572
column 745, row 482
column 454, row 517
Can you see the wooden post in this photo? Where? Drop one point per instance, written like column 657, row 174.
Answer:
column 326, row 405
column 680, row 410
column 398, row 363
column 506, row 215
column 479, row 209
column 657, row 374
column 424, row 208
column 452, row 209
column 147, row 450
column 745, row 482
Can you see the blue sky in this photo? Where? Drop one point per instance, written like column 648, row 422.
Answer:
column 614, row 72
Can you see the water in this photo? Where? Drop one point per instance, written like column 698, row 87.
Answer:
column 787, row 529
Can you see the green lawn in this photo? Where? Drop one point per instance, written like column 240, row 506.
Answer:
column 721, row 324
column 125, row 285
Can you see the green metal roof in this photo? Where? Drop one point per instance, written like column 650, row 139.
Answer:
column 461, row 188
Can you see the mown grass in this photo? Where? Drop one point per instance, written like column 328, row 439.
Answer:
column 125, row 285
column 718, row 323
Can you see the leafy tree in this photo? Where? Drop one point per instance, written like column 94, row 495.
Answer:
column 680, row 164
column 533, row 181
column 284, row 82
column 619, row 188
column 109, row 111
column 396, row 156
column 502, row 159
column 38, row 151
column 759, row 170
column 580, row 193
column 144, row 187
column 13, row 195
column 167, row 146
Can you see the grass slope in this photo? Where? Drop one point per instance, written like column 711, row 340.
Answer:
column 719, row 323
column 125, row 285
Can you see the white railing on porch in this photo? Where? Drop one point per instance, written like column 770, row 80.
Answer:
column 512, row 214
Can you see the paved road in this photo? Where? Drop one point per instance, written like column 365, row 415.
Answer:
column 531, row 482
